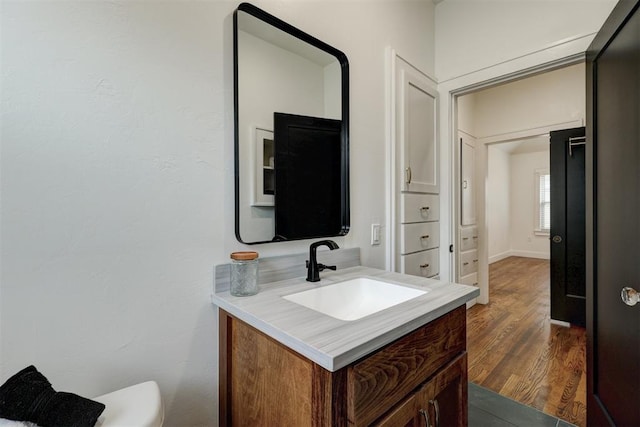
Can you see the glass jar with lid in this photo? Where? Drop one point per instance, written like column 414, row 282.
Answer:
column 244, row 273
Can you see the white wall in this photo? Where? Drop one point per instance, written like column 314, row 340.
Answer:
column 475, row 34
column 542, row 100
column 466, row 114
column 117, row 180
column 523, row 241
column 498, row 203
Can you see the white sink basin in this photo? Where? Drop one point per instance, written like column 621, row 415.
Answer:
column 354, row 299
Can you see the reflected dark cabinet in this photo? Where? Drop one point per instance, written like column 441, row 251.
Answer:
column 310, row 200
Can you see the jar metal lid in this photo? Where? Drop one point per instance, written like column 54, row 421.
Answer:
column 244, row 255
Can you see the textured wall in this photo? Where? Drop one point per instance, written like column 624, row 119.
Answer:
column 117, row 180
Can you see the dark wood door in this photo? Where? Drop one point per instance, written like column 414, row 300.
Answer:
column 613, row 221
column 568, row 287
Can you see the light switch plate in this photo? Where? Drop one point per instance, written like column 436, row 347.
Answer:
column 375, row 234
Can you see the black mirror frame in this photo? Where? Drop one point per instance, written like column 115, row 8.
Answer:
column 344, row 65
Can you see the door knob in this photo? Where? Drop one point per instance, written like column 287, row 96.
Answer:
column 557, row 239
column 630, row 296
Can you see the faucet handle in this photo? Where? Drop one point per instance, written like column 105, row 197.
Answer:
column 322, row 267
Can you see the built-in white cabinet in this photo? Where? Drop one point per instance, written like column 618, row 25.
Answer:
column 423, row 263
column 417, row 207
column 418, row 124
column 263, row 186
column 416, row 189
column 468, row 238
column 467, row 178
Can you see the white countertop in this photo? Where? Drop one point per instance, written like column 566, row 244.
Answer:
column 332, row 343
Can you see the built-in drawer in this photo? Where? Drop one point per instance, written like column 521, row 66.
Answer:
column 385, row 378
column 423, row 263
column 416, row 207
column 468, row 262
column 468, row 238
column 419, row 236
column 469, row 279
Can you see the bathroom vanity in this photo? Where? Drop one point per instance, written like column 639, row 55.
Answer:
column 282, row 363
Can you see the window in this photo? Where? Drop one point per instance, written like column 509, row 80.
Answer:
column 543, row 202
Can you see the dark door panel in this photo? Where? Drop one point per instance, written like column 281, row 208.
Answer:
column 613, row 239
column 568, row 288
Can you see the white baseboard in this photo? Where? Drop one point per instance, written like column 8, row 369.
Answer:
column 524, row 254
column 531, row 254
column 499, row 257
column 560, row 323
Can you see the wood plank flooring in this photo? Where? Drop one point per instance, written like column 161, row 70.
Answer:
column 514, row 350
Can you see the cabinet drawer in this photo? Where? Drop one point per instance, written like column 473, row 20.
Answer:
column 469, row 279
column 419, row 236
column 415, row 207
column 468, row 263
column 423, row 263
column 468, row 238
column 385, row 378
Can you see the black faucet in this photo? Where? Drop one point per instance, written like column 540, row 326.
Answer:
column 313, row 268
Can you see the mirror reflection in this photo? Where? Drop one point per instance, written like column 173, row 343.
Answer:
column 291, row 178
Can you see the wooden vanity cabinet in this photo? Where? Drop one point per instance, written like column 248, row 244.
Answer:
column 263, row 382
column 441, row 401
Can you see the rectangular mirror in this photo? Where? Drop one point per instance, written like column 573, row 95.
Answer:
column 291, row 132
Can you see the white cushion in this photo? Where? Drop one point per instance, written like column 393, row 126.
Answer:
column 137, row 406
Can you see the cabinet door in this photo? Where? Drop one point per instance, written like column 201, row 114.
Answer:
column 467, row 179
column 417, row 132
column 442, row 401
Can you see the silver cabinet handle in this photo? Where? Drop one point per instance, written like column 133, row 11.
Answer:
column 407, row 175
column 437, row 411
column 425, row 415
column 630, row 296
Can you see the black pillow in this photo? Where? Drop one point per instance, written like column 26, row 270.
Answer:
column 29, row 396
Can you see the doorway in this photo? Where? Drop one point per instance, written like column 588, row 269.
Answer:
column 509, row 127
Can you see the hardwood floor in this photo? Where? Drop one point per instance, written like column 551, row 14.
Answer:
column 514, row 350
